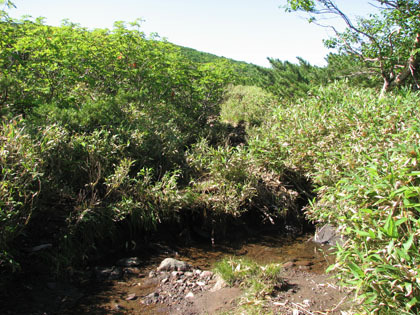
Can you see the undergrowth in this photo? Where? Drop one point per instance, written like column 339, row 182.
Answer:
column 107, row 135
column 106, row 131
column 362, row 152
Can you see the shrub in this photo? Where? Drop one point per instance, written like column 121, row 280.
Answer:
column 362, row 153
column 20, row 185
column 249, row 104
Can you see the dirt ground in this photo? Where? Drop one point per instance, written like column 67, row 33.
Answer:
column 308, row 289
column 306, row 293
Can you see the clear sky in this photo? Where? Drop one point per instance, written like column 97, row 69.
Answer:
column 247, row 30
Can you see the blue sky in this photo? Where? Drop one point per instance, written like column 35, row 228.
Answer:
column 247, row 30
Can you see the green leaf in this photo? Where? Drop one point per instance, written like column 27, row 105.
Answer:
column 356, row 270
column 409, row 242
column 390, row 227
column 413, row 301
column 362, row 233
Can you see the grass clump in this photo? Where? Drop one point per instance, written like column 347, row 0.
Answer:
column 258, row 281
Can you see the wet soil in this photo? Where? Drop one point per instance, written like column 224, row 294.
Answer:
column 308, row 290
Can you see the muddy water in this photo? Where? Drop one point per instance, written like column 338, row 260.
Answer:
column 264, row 249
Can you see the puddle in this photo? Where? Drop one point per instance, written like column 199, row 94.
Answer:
column 263, row 250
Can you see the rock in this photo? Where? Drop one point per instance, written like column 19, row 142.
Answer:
column 128, row 262
column 220, row 284
column 327, row 234
column 307, row 302
column 151, row 298
column 188, row 274
column 206, row 274
column 190, row 295
column 152, row 274
column 171, row 264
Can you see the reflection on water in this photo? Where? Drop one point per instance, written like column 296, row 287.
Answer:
column 264, row 249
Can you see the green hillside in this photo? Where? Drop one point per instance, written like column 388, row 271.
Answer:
column 109, row 137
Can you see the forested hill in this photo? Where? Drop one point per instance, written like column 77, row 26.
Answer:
column 248, row 73
column 200, row 56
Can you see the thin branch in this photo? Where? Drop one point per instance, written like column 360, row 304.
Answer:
column 331, row 8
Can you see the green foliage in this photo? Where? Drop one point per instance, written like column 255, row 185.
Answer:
column 247, row 273
column 5, row 4
column 362, row 152
column 245, row 73
column 225, row 182
column 289, row 80
column 249, row 104
column 351, row 69
column 389, row 41
column 105, row 132
column 107, row 118
column 19, row 186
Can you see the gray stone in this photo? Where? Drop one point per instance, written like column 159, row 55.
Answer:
column 220, row 283
column 327, row 234
column 170, row 264
column 128, row 262
column 206, row 274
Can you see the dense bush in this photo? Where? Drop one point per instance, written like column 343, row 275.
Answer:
column 110, row 142
column 249, row 104
column 99, row 110
column 20, row 185
column 106, row 131
column 362, row 152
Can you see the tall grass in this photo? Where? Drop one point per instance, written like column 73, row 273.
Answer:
column 248, row 104
column 362, row 152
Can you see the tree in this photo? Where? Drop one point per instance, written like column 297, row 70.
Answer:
column 7, row 4
column 389, row 42
column 290, row 80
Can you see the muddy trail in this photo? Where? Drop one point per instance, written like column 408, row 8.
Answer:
column 129, row 284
